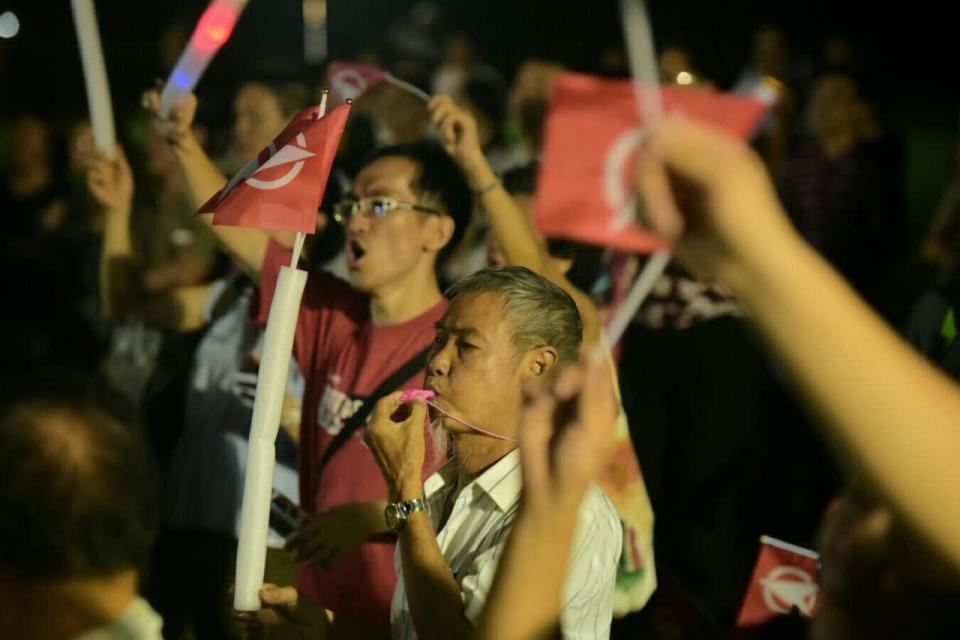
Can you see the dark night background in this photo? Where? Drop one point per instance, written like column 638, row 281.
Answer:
column 905, row 50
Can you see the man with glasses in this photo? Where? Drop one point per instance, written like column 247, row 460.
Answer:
column 408, row 208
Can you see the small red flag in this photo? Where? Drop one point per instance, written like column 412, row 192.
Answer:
column 350, row 80
column 588, row 176
column 282, row 187
column 784, row 581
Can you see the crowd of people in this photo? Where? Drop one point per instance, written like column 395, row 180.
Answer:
column 555, row 483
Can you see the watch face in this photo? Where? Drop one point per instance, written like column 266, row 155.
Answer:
column 392, row 515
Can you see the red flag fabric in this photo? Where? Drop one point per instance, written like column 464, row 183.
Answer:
column 282, row 187
column 350, row 80
column 784, row 580
column 588, row 172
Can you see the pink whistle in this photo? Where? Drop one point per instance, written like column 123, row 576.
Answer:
column 416, row 394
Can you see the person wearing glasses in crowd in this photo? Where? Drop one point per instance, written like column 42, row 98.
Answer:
column 406, row 212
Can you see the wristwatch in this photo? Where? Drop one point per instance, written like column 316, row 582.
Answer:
column 396, row 513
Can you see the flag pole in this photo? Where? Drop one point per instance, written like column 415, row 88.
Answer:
column 406, row 86
column 265, row 425
column 639, row 38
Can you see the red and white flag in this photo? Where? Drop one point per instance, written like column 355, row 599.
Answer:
column 784, row 581
column 587, row 184
column 350, row 80
column 282, row 187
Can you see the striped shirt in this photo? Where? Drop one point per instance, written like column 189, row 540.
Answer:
column 473, row 538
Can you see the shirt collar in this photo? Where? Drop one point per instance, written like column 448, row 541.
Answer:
column 502, row 481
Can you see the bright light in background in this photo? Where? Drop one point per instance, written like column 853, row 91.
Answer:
column 9, row 24
column 684, row 77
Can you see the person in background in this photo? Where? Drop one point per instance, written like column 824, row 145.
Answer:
column 891, row 558
column 194, row 560
column 515, row 242
column 79, row 505
column 404, row 214
column 833, row 188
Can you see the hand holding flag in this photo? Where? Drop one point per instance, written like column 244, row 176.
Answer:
column 350, row 80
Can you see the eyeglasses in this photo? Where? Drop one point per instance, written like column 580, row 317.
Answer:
column 376, row 206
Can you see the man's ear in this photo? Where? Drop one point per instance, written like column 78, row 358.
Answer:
column 540, row 361
column 438, row 230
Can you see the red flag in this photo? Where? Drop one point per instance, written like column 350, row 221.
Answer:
column 282, row 187
column 349, row 80
column 587, row 182
column 783, row 581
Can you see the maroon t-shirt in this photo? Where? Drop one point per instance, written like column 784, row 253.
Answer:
column 344, row 358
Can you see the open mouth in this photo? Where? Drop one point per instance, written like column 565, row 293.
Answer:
column 355, row 253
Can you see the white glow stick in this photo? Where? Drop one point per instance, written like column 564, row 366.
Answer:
column 212, row 32
column 94, row 75
column 646, row 83
column 267, row 406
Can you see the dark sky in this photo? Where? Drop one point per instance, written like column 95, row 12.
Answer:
column 912, row 53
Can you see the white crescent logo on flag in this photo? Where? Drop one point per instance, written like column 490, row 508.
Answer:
column 286, row 155
column 617, row 185
column 788, row 587
column 350, row 84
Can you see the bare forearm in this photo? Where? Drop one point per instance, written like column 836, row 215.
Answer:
column 520, row 244
column 432, row 594
column 887, row 408
column 203, row 179
column 119, row 272
column 526, row 596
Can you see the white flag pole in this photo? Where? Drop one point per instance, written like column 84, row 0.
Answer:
column 646, row 82
column 264, row 426
column 406, row 86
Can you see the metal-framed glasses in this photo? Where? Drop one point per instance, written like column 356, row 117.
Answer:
column 374, row 206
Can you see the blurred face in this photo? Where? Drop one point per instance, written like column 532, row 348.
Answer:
column 770, row 52
column 258, row 118
column 471, row 366
column 833, row 107
column 383, row 251
column 81, row 149
column 30, row 142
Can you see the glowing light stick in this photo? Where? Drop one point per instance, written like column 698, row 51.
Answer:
column 212, row 32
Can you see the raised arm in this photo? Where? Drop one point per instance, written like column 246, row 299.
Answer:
column 511, row 224
column 893, row 416
column 110, row 182
column 203, row 179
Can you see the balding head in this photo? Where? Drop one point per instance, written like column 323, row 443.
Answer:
column 78, row 491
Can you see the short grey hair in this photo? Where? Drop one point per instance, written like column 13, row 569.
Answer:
column 539, row 312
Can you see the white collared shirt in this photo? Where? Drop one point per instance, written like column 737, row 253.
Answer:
column 473, row 538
